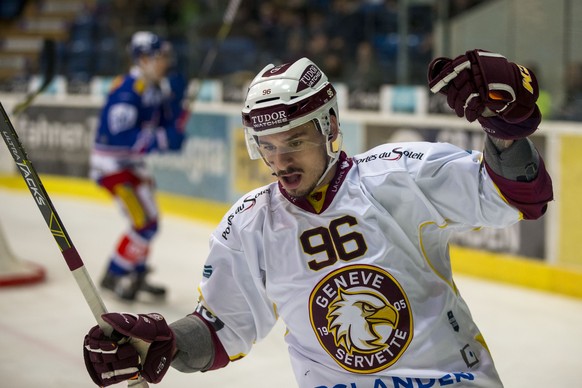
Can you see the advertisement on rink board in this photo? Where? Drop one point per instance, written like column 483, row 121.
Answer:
column 525, row 238
column 214, row 164
column 58, row 139
column 202, row 168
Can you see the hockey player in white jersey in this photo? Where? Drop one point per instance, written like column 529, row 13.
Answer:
column 351, row 252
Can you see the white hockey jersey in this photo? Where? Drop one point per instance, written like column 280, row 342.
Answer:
column 365, row 288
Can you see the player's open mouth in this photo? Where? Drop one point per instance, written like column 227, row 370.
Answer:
column 291, row 181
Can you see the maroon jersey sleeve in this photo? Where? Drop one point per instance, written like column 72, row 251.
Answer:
column 221, row 358
column 530, row 198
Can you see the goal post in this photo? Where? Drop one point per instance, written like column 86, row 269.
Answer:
column 14, row 271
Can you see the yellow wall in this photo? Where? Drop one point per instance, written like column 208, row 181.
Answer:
column 570, row 201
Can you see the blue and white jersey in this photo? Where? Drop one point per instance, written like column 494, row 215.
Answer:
column 138, row 118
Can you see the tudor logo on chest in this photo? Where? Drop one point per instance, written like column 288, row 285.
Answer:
column 361, row 317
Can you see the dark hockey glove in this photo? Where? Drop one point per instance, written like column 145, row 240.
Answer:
column 454, row 78
column 481, row 83
column 109, row 362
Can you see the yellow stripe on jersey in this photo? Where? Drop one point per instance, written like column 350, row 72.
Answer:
column 506, row 201
column 444, row 277
column 132, row 204
column 237, row 357
column 479, row 338
column 317, row 198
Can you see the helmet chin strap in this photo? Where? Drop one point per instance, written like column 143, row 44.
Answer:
column 333, row 156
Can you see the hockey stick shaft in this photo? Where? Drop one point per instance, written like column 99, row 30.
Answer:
column 56, row 227
column 50, row 55
column 223, row 32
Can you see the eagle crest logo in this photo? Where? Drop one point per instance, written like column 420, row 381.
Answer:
column 361, row 317
column 359, row 321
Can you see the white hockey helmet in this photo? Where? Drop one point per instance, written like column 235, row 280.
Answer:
column 283, row 97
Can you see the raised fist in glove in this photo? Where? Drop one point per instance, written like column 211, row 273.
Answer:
column 110, row 361
column 481, row 84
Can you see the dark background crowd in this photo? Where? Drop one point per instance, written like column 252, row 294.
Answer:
column 340, row 35
column 359, row 43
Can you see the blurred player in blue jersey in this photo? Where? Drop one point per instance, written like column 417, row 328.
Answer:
column 142, row 114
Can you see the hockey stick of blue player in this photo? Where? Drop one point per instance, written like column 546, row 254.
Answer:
column 50, row 56
column 56, row 227
column 223, row 32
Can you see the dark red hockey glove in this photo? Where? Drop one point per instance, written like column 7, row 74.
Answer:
column 109, row 362
column 481, row 81
column 454, row 78
column 497, row 127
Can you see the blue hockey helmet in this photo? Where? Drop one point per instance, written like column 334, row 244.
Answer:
column 147, row 43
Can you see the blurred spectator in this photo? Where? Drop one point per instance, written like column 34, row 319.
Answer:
column 294, row 47
column 281, row 32
column 119, row 14
column 10, row 9
column 270, row 30
column 180, row 16
column 384, row 17
column 316, row 22
column 317, row 47
column 333, row 66
column 345, row 27
column 364, row 73
column 364, row 78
